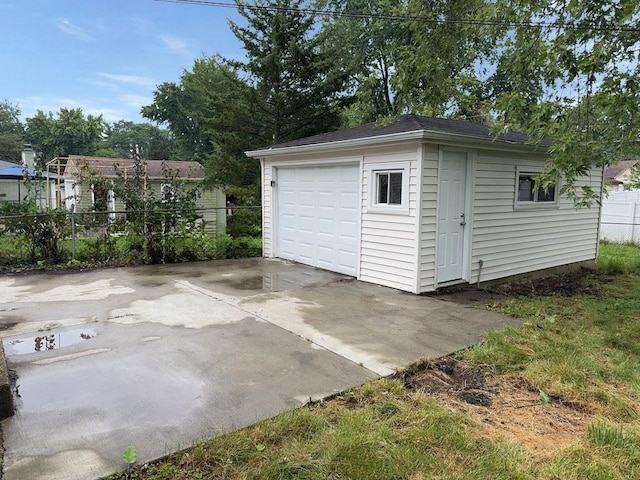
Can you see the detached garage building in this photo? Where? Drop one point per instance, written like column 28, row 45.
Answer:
column 419, row 204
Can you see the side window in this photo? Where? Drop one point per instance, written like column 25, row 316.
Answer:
column 388, row 188
column 530, row 193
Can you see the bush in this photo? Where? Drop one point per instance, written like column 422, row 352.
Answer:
column 244, row 247
column 245, row 222
column 43, row 230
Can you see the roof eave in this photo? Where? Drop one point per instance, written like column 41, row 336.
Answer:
column 430, row 135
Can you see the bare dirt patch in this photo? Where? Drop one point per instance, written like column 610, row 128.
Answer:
column 502, row 407
column 580, row 281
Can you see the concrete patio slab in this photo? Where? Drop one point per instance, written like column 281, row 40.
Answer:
column 161, row 357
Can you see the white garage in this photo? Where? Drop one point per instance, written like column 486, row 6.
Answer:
column 421, row 203
column 318, row 216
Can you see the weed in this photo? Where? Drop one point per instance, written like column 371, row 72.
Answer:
column 605, row 435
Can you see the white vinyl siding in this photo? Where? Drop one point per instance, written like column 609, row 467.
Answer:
column 387, row 254
column 428, row 218
column 512, row 241
column 267, row 202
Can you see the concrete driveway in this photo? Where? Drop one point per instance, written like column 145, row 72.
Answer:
column 161, row 357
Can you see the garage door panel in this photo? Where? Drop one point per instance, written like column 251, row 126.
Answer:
column 318, row 212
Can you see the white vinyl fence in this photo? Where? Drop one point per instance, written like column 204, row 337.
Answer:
column 620, row 221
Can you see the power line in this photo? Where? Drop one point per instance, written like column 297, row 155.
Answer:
column 403, row 18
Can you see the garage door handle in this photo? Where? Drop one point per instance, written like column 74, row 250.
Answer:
column 463, row 222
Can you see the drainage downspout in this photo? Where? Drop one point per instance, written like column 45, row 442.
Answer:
column 480, row 263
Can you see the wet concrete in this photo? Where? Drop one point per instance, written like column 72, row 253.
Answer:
column 174, row 354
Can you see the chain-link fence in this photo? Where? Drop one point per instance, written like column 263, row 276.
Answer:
column 61, row 237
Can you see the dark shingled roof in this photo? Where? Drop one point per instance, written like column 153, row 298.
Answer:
column 410, row 123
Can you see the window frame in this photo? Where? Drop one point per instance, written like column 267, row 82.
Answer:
column 374, row 171
column 526, row 171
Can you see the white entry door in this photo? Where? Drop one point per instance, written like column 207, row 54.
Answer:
column 451, row 217
column 318, row 216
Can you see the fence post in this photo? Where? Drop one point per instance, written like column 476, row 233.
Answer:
column 73, row 232
column 633, row 224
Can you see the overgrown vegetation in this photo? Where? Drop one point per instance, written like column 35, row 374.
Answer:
column 161, row 226
column 575, row 362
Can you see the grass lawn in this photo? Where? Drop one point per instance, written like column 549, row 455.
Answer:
column 558, row 398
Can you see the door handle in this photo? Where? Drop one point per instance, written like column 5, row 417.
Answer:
column 463, row 222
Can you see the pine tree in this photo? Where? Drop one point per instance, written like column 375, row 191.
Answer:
column 297, row 88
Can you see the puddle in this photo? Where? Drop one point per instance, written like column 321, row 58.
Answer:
column 44, row 341
column 276, row 282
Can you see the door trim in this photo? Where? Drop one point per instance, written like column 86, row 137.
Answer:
column 469, row 202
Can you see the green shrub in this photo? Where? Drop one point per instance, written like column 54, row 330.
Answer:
column 244, row 247
column 245, row 222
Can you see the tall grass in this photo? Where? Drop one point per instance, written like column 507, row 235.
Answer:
column 619, row 258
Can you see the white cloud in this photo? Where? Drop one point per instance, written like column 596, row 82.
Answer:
column 177, row 46
column 132, row 100
column 132, row 79
column 69, row 28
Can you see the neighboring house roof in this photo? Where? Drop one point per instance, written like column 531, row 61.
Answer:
column 17, row 172
column 612, row 173
column 111, row 167
column 406, row 124
column 4, row 164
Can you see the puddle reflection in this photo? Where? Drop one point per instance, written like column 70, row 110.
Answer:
column 274, row 282
column 45, row 341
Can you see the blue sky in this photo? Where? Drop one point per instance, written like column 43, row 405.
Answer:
column 104, row 56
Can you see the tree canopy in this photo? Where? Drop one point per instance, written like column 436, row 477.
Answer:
column 11, row 132
column 150, row 142
column 68, row 133
column 209, row 117
column 296, row 86
column 585, row 58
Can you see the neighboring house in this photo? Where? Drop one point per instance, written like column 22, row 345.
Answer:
column 83, row 196
column 419, row 204
column 14, row 188
column 617, row 177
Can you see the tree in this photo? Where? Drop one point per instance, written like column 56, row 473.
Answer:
column 297, row 87
column 440, row 71
column 585, row 57
column 68, row 134
column 209, row 118
column 11, row 132
column 152, row 143
column 366, row 43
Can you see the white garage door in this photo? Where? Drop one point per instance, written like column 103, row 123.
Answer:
column 318, row 211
